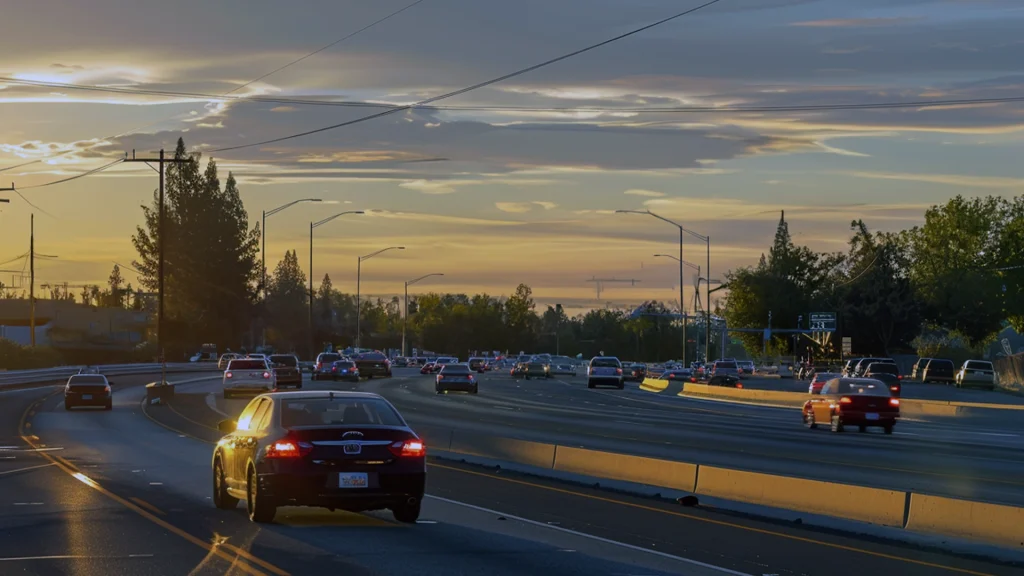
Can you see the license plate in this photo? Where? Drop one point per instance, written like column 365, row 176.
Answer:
column 353, row 480
column 86, row 396
column 871, row 416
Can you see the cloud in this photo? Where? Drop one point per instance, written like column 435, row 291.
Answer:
column 641, row 192
column 545, row 204
column 514, row 207
column 964, row 180
column 857, row 22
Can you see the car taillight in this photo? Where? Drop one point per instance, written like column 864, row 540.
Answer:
column 334, row 368
column 900, row 376
column 440, row 376
column 287, row 448
column 693, row 380
column 894, row 388
column 845, row 400
column 738, row 385
column 618, row 370
column 894, row 401
column 266, row 375
column 229, row 375
column 408, row 449
column 106, row 389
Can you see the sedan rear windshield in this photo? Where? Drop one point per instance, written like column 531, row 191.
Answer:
column 883, row 368
column 247, row 365
column 562, row 359
column 978, row 365
column 455, row 369
column 328, row 358
column 725, row 365
column 338, row 412
column 87, row 380
column 285, row 360
column 345, row 364
column 864, row 389
column 372, row 356
column 944, row 364
column 604, row 363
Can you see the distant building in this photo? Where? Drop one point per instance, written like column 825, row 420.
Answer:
column 68, row 325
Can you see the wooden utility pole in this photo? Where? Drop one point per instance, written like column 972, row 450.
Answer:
column 160, row 258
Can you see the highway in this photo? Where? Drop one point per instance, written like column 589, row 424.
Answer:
column 128, row 492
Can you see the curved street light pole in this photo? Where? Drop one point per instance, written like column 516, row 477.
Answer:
column 405, row 315
column 263, row 249
column 312, row 225
column 359, row 279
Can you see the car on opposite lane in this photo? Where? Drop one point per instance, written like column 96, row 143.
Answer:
column 478, row 364
column 978, row 373
column 860, row 402
column 725, row 380
column 745, row 368
column 248, row 376
column 456, row 377
column 605, row 371
column 725, row 367
column 562, row 366
column 428, row 368
column 536, row 367
column 345, row 370
column 337, row 450
column 677, row 375
column 286, row 370
column 819, row 379
column 939, row 370
column 88, row 390
column 918, row 371
column 322, row 367
column 635, row 372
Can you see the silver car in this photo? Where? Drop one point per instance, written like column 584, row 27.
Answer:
column 979, row 373
column 248, row 376
column 562, row 366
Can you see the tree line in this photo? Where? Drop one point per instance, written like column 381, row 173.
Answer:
column 956, row 277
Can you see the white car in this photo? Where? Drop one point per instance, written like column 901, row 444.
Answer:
column 248, row 376
column 605, row 370
column 746, row 368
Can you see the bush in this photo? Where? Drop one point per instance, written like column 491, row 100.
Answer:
column 13, row 356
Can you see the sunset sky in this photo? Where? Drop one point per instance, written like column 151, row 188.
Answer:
column 492, row 198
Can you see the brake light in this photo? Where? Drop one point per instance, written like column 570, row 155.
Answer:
column 900, row 376
column 287, row 448
column 894, row 388
column 440, row 376
column 618, row 370
column 229, row 375
column 106, row 389
column 738, row 385
column 408, row 449
column 334, row 368
column 266, row 375
column 693, row 380
column 894, row 401
column 845, row 400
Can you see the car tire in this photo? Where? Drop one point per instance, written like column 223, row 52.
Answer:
column 67, row 405
column 227, row 395
column 259, row 507
column 221, row 498
column 109, row 405
column 622, row 385
column 862, row 429
column 298, row 386
column 837, row 424
column 888, row 428
column 407, row 514
column 590, row 384
column 809, row 421
column 369, row 377
column 476, row 388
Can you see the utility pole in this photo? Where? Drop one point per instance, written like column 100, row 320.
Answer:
column 160, row 258
column 32, row 281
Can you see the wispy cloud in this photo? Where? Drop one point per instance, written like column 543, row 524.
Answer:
column 545, row 204
column 857, row 22
column 641, row 192
column 514, row 207
column 948, row 179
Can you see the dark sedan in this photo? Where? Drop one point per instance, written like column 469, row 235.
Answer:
column 336, row 450
column 939, row 370
column 88, row 390
column 456, row 377
column 635, row 372
column 286, row 370
column 677, row 375
column 887, row 373
column 373, row 364
column 345, row 370
column 725, row 380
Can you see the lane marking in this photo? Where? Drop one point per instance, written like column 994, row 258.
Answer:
column 5, row 472
column 717, row 522
column 70, row 469
column 591, row 537
column 147, row 505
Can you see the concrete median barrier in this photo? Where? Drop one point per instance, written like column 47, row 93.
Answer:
column 512, row 450
column 993, row 523
column 650, row 471
column 773, row 396
column 877, row 506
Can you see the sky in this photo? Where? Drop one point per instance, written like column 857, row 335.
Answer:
column 491, row 198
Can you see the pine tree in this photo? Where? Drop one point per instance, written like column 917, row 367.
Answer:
column 323, row 301
column 287, row 303
column 114, row 282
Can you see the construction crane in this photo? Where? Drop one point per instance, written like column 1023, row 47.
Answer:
column 600, row 282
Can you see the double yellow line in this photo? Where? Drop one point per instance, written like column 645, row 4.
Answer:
column 238, row 558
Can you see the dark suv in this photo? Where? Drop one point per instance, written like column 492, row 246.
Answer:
column 939, row 370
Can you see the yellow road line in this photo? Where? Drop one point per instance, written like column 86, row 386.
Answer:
column 210, row 548
column 147, row 505
column 717, row 522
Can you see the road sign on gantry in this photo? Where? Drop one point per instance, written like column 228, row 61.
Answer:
column 823, row 321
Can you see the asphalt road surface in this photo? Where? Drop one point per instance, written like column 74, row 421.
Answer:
column 128, row 492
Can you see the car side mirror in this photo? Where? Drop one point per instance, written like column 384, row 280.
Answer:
column 110, row 383
column 227, row 426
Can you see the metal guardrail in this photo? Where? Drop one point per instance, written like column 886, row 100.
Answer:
column 20, row 377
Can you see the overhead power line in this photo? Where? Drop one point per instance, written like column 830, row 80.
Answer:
column 272, row 72
column 568, row 109
column 475, row 86
column 75, row 177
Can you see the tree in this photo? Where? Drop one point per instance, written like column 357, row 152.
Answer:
column 287, row 304
column 211, row 271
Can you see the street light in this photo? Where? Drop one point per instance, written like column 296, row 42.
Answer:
column 263, row 248
column 405, row 319
column 313, row 225
column 359, row 275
